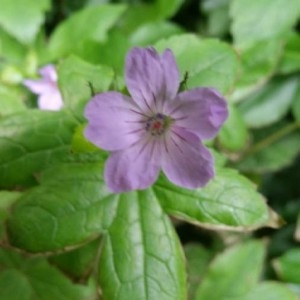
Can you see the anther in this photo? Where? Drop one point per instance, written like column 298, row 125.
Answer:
column 157, row 124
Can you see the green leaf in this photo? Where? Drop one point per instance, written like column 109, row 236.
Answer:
column 234, row 134
column 80, row 143
column 10, row 101
column 271, row 291
column 141, row 255
column 10, row 259
column 77, row 198
column 198, row 259
column 31, row 141
column 228, row 201
column 217, row 12
column 101, row 52
column 76, row 76
column 288, row 266
column 254, row 21
column 297, row 231
column 296, row 104
column 295, row 288
column 72, row 195
column 220, row 159
column 167, row 8
column 6, row 200
column 10, row 49
column 143, row 13
column 36, row 279
column 150, row 33
column 258, row 64
column 11, row 75
column 139, row 14
column 232, row 274
column 9, row 280
column 269, row 104
column 211, row 5
column 23, row 19
column 274, row 148
column 290, row 61
column 90, row 23
column 79, row 262
column 207, row 62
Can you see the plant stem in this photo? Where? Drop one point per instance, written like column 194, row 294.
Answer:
column 273, row 138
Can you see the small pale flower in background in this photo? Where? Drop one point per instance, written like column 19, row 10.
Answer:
column 156, row 128
column 46, row 88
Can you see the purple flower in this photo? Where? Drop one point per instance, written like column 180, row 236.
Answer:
column 156, row 128
column 47, row 89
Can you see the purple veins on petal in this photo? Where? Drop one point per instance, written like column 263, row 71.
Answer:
column 201, row 111
column 151, row 79
column 114, row 121
column 156, row 128
column 133, row 168
column 171, row 74
column 187, row 162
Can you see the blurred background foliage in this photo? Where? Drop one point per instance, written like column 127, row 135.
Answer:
column 254, row 44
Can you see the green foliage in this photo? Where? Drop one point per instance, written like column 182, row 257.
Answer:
column 10, row 101
column 6, row 200
column 274, row 21
column 228, row 200
column 296, row 105
column 71, row 196
column 291, row 57
column 167, row 8
column 31, row 141
column 141, row 255
column 232, row 274
column 23, row 20
column 274, row 153
column 142, row 13
column 258, row 64
column 64, row 235
column 79, row 263
column 207, row 62
column 10, row 48
column 80, row 143
column 78, row 80
column 271, row 291
column 198, row 259
column 217, row 12
column 151, row 32
column 288, row 266
column 234, row 134
column 269, row 104
column 29, row 278
column 91, row 23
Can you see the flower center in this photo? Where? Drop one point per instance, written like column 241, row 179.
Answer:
column 158, row 124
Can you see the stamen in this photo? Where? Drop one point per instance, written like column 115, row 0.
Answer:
column 158, row 124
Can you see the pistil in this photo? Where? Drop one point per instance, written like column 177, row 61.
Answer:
column 158, row 124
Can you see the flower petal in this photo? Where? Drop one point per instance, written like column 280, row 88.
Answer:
column 187, row 162
column 171, row 74
column 114, row 121
column 48, row 72
column 51, row 100
column 38, row 86
column 201, row 111
column 134, row 168
column 150, row 78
